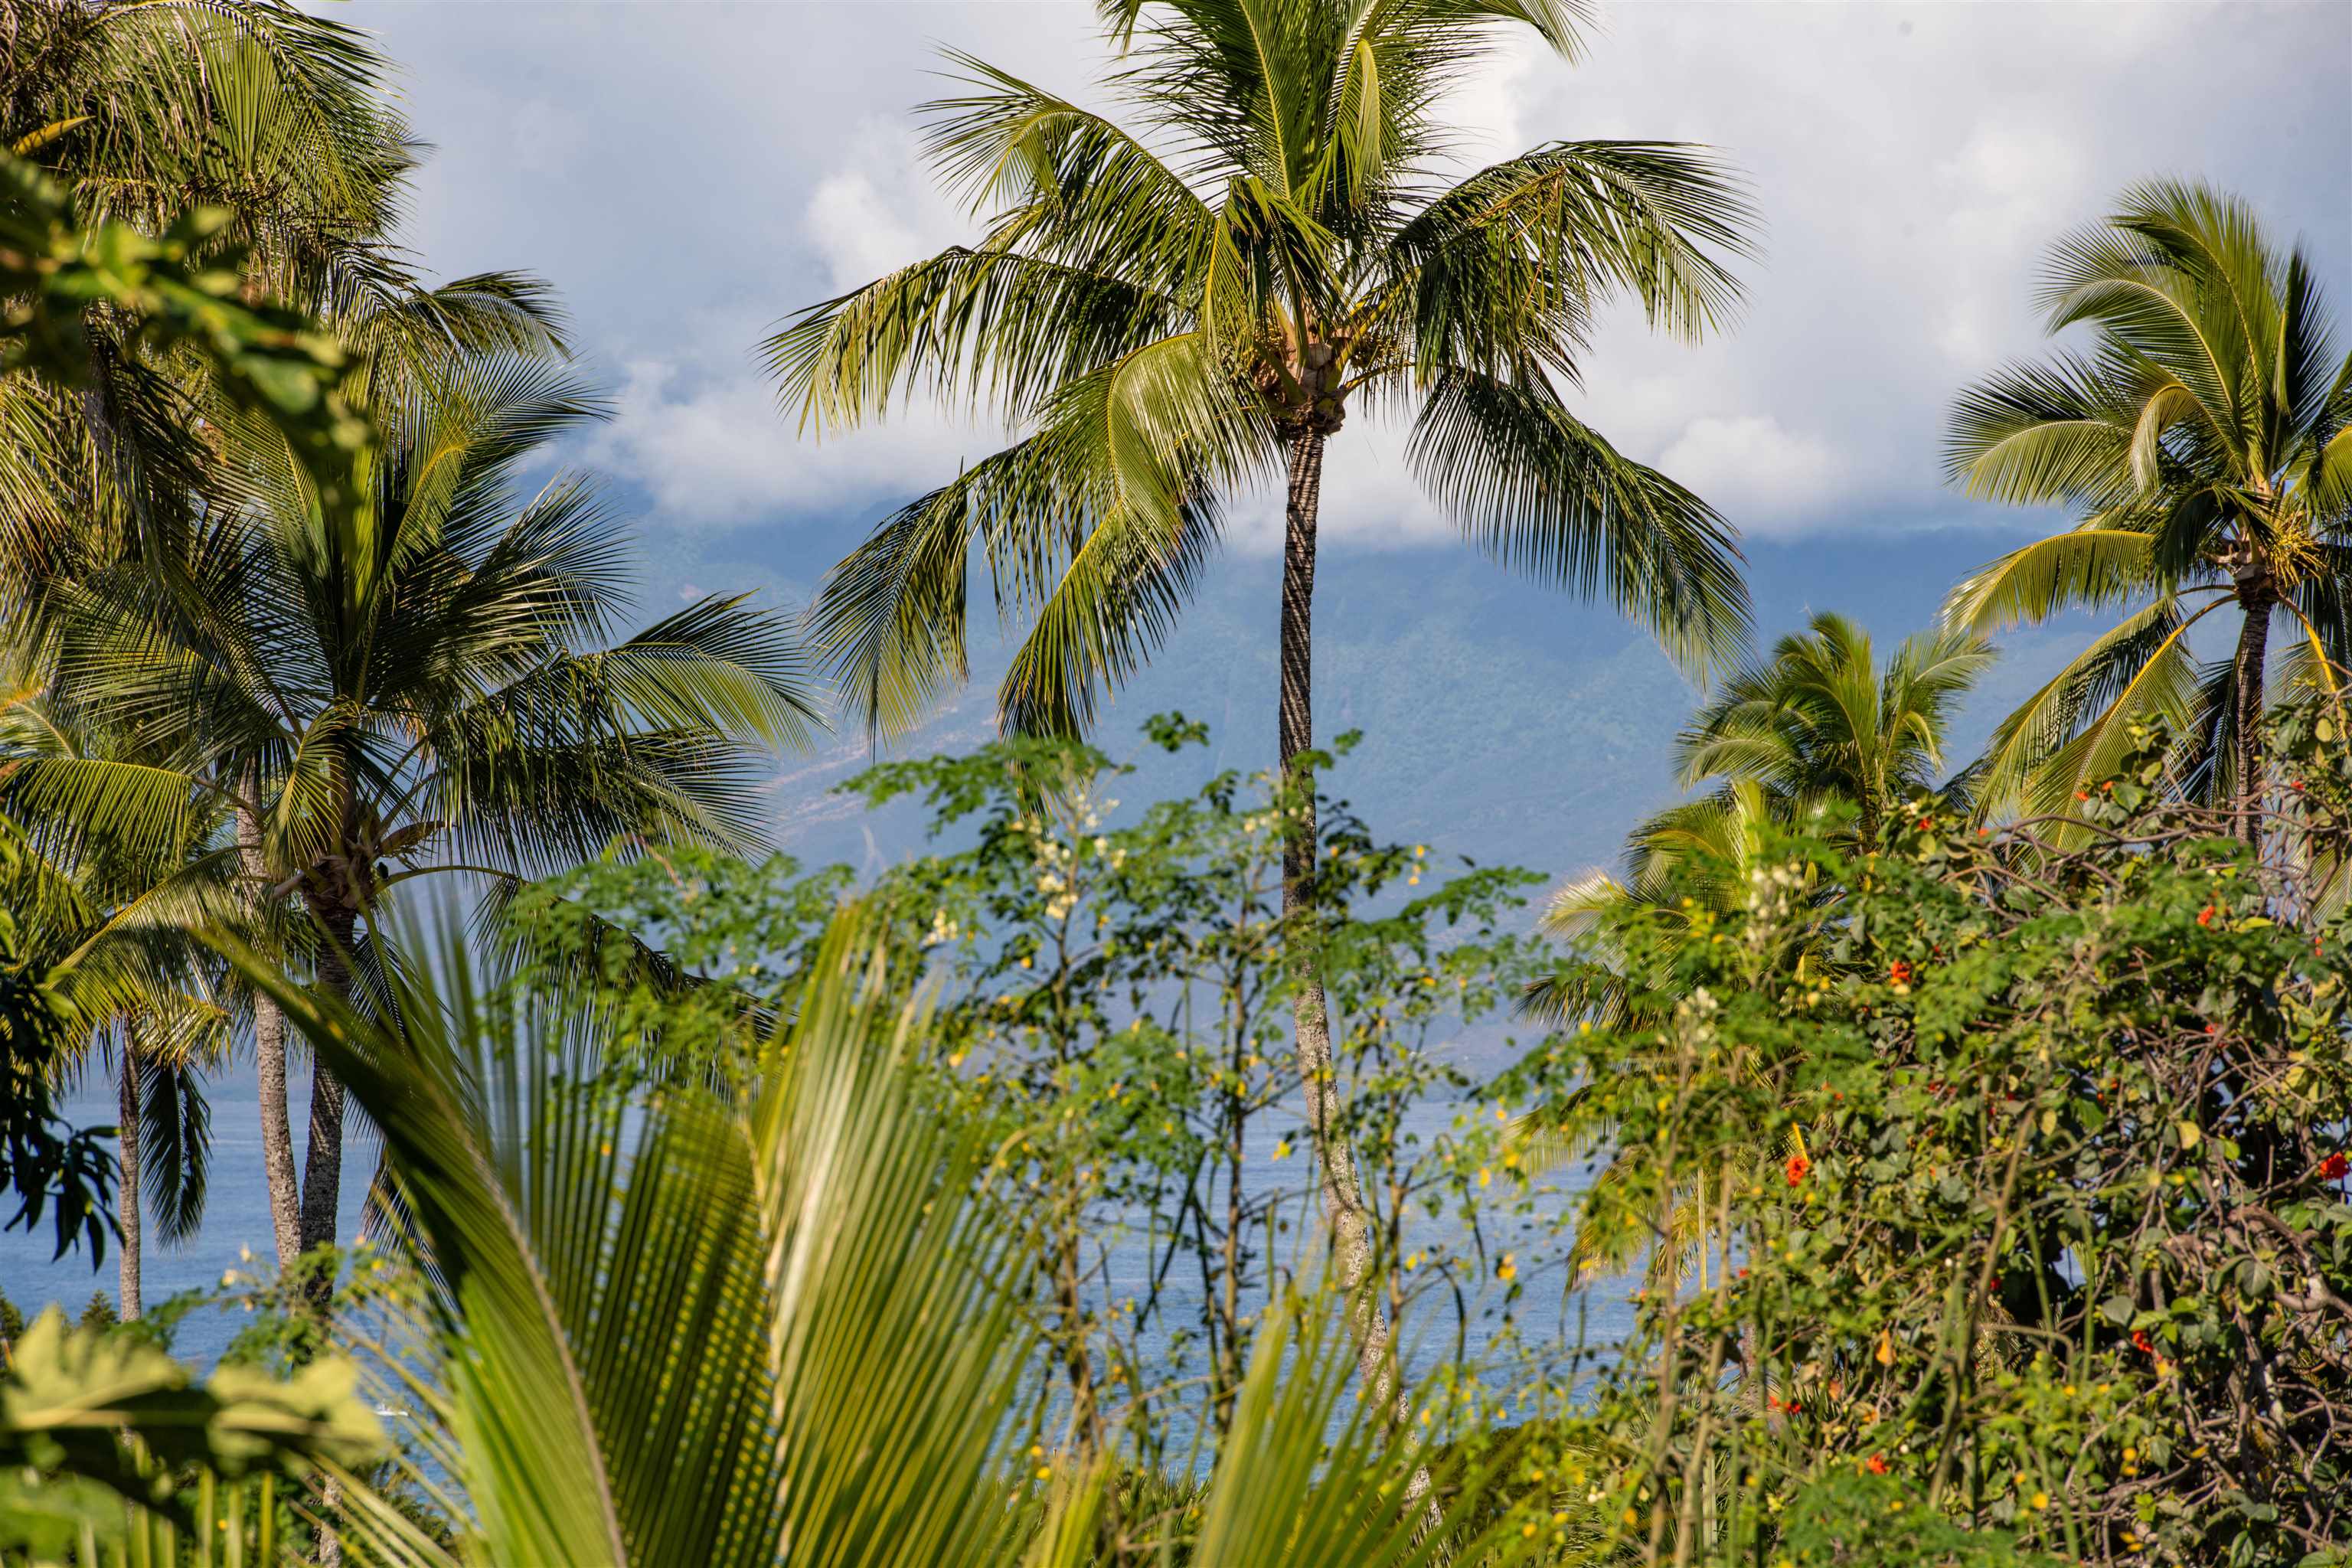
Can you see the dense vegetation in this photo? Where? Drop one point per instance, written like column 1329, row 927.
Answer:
column 1973, row 1136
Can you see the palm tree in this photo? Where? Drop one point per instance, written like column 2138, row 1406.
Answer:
column 113, row 924
column 2202, row 440
column 400, row 689
column 1819, row 724
column 279, row 121
column 1184, row 308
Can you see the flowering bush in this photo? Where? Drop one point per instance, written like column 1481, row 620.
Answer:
column 2060, row 1265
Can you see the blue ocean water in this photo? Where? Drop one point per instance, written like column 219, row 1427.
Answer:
column 237, row 1218
column 1460, row 1317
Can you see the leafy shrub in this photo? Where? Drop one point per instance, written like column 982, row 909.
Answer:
column 2027, row 1209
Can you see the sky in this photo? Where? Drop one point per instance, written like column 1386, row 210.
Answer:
column 688, row 174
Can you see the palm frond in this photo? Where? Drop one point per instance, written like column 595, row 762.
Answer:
column 1543, row 493
column 2088, row 567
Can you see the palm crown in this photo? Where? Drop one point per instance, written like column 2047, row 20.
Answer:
column 2202, row 438
column 1168, row 307
column 399, row 689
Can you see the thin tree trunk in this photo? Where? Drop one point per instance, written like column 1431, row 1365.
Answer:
column 270, row 1072
column 1338, row 1186
column 2253, row 651
column 322, row 1170
column 127, row 1207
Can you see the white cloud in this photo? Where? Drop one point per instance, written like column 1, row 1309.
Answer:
column 710, row 169
column 713, row 451
column 1763, row 477
column 878, row 208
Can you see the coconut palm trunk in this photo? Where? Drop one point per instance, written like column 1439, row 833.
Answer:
column 269, row 1074
column 126, row 1084
column 2255, row 597
column 1337, row 1185
column 322, row 1170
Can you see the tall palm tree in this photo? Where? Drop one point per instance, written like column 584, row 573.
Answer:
column 2203, row 439
column 279, row 122
column 402, row 689
column 1819, row 722
column 1195, row 301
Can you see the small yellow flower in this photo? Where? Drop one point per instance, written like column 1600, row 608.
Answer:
column 1486, row 1176
column 2041, row 1502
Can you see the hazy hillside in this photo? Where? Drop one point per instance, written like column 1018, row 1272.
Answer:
column 1500, row 719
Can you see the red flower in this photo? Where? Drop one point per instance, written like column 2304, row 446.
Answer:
column 1875, row 1464
column 2082, row 795
column 2140, row 1342
column 2296, row 786
column 2332, row 1169
column 2205, row 916
column 2212, row 1029
column 1796, row 1168
column 1899, row 972
column 1926, row 823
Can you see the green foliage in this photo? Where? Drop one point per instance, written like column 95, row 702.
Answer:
column 1109, row 1000
column 173, row 289
column 1115, row 994
column 2062, row 1247
column 45, row 1165
column 106, row 1441
column 1819, row 725
column 835, row 1226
